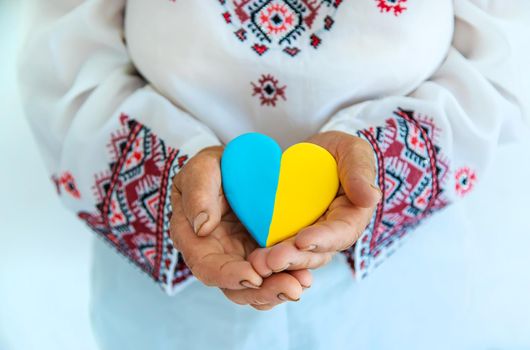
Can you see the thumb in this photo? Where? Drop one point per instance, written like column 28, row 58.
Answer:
column 357, row 172
column 201, row 193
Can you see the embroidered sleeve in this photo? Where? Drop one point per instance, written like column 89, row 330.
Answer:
column 433, row 146
column 111, row 142
column 413, row 171
column 133, row 202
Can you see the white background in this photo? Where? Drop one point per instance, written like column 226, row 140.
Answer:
column 45, row 251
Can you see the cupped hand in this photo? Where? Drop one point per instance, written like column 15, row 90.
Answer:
column 345, row 220
column 215, row 245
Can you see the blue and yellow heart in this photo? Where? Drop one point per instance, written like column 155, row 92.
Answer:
column 275, row 195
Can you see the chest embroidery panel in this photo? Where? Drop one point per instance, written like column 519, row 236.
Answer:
column 285, row 25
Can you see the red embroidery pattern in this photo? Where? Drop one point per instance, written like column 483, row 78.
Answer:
column 280, row 24
column 465, row 179
column 134, row 202
column 67, row 183
column 395, row 6
column 412, row 172
column 268, row 90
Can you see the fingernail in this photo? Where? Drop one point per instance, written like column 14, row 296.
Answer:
column 284, row 297
column 248, row 284
column 283, row 269
column 268, row 275
column 378, row 190
column 306, row 287
column 199, row 221
column 309, row 248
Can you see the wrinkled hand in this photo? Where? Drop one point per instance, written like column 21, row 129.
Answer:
column 347, row 217
column 215, row 245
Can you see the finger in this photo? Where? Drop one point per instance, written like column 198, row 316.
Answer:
column 206, row 258
column 258, row 259
column 357, row 172
column 304, row 277
column 200, row 186
column 263, row 307
column 226, row 271
column 287, row 256
column 178, row 224
column 341, row 228
column 356, row 165
column 275, row 290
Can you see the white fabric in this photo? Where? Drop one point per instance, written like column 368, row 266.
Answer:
column 365, row 55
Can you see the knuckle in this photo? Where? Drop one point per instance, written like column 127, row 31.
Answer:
column 327, row 259
column 199, row 199
column 366, row 152
column 178, row 179
column 366, row 166
column 349, row 244
column 262, row 307
column 207, row 280
column 200, row 272
column 312, row 261
column 175, row 194
column 187, row 170
column 233, row 296
column 257, row 300
column 362, row 144
column 237, row 301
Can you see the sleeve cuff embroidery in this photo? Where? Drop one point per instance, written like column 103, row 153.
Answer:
column 134, row 206
column 412, row 172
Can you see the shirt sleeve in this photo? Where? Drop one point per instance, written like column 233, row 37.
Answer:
column 433, row 145
column 111, row 142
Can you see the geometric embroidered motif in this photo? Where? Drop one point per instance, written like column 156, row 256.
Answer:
column 134, row 202
column 268, row 90
column 286, row 25
column 465, row 179
column 411, row 172
column 66, row 182
column 395, row 6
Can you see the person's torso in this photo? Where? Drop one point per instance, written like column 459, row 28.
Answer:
column 283, row 67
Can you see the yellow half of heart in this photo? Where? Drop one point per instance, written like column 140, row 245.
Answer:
column 308, row 183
